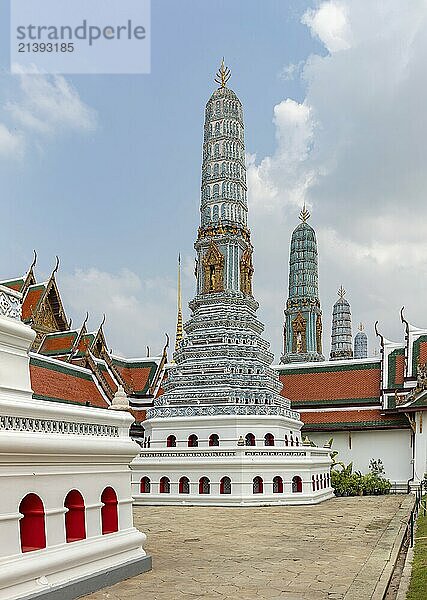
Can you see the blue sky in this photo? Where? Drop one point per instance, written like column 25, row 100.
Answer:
column 114, row 190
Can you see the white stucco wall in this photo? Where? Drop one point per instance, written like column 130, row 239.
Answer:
column 392, row 446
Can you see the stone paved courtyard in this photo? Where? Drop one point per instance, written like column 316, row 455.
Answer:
column 338, row 549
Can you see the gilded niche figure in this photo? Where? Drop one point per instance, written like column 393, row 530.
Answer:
column 213, row 270
column 246, row 272
column 319, row 334
column 299, row 343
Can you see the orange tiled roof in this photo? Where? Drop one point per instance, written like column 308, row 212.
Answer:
column 325, row 384
column 61, row 343
column 353, row 418
column 54, row 380
column 138, row 375
column 31, row 300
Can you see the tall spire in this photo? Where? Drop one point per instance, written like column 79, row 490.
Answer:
column 341, row 343
column 303, row 316
column 222, row 75
column 179, row 333
column 361, row 343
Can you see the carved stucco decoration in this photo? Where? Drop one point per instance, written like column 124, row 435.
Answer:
column 213, row 270
column 10, row 306
column 319, row 334
column 246, row 272
column 299, row 341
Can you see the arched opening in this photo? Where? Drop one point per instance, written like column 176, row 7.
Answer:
column 292, row 440
column 214, row 439
column 317, row 482
column 277, row 485
column 109, row 515
column 32, row 525
column 145, row 485
column 164, row 485
column 184, row 485
column 258, row 485
column 296, row 484
column 204, row 485
column 296, row 442
column 286, row 441
column 269, row 439
column 193, row 441
column 250, row 439
column 75, row 527
column 171, row 441
column 225, row 485
column 313, row 483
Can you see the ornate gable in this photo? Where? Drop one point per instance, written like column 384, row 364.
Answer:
column 213, row 270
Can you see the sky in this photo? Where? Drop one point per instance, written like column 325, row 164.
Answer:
column 104, row 170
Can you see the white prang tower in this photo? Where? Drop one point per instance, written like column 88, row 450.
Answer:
column 221, row 391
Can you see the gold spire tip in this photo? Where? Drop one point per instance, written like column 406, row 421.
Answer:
column 222, row 75
column 361, row 326
column 341, row 292
column 304, row 214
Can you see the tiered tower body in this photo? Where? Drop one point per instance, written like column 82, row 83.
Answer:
column 361, row 343
column 303, row 316
column 341, row 343
column 221, row 392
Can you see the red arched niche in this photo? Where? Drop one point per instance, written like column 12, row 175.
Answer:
column 32, row 525
column 75, row 526
column 109, row 515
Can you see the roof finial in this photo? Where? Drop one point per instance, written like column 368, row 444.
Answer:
column 33, row 264
column 223, row 75
column 304, row 214
column 341, row 292
column 179, row 334
column 55, row 270
column 361, row 326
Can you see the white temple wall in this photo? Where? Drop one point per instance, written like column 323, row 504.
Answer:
column 228, row 428
column 420, row 467
column 392, row 446
column 48, row 449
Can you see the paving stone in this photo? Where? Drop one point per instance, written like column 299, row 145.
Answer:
column 268, row 553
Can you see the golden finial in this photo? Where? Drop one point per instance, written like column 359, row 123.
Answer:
column 179, row 334
column 223, row 75
column 304, row 214
column 361, row 326
column 341, row 292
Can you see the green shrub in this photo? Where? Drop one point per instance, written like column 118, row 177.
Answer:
column 347, row 483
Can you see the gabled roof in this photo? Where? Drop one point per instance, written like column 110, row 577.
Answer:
column 14, row 284
column 139, row 373
column 32, row 300
column 58, row 344
column 332, row 383
column 356, row 419
column 62, row 382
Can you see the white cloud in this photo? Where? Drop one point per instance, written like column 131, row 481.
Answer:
column 354, row 150
column 330, row 24
column 11, row 143
column 43, row 107
column 138, row 310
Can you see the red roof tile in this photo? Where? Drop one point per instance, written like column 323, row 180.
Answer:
column 56, row 381
column 31, row 300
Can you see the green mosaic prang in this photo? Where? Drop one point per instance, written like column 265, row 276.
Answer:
column 391, row 380
column 416, row 353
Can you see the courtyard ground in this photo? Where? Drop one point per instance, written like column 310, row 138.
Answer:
column 341, row 549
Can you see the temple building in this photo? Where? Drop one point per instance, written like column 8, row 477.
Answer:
column 303, row 317
column 221, row 398
column 361, row 343
column 341, row 340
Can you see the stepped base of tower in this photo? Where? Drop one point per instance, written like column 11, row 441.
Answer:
column 258, row 459
column 294, row 357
